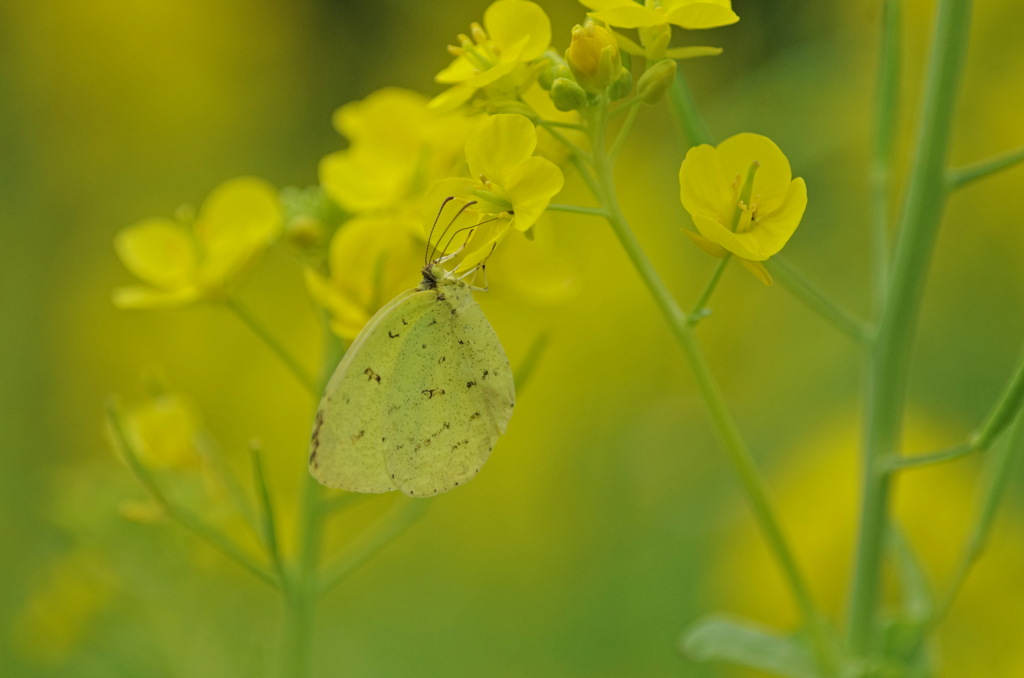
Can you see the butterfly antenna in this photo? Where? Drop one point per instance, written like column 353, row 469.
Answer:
column 433, row 249
column 455, row 234
column 430, row 236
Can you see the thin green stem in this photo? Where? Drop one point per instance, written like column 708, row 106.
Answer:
column 919, row 460
column 264, row 334
column 529, row 362
column 685, row 108
column 728, row 432
column 382, row 532
column 700, row 307
column 998, row 478
column 268, row 530
column 1005, row 410
column 210, row 535
column 562, row 125
column 889, row 358
column 958, row 178
column 301, row 593
column 624, row 130
column 814, row 299
column 578, row 209
column 880, row 173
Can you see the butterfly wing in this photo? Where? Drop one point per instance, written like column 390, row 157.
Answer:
column 347, row 449
column 453, row 396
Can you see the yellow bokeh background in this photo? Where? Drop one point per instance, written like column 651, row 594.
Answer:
column 607, row 521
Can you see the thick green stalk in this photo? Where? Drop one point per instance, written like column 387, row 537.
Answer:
column 728, row 432
column 880, row 178
column 889, row 358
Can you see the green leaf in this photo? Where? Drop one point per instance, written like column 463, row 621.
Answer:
column 718, row 638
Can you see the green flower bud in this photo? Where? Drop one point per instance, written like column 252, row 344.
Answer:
column 656, row 80
column 593, row 56
column 567, row 95
column 621, row 87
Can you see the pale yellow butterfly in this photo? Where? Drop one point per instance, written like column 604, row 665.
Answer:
column 421, row 396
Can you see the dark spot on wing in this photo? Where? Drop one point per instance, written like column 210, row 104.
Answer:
column 431, row 392
column 475, row 415
column 440, row 360
column 371, row 375
column 470, row 384
column 486, row 372
column 403, row 322
column 357, row 436
column 392, row 335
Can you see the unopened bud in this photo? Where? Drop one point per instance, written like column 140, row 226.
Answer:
column 656, row 80
column 621, row 87
column 567, row 95
column 593, row 56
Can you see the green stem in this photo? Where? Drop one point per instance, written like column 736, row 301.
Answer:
column 210, row 535
column 685, row 108
column 268, row 530
column 880, row 173
column 264, row 334
column 1004, row 411
column 802, row 289
column 301, row 593
column 700, row 307
column 577, row 209
column 378, row 535
column 624, row 130
column 918, row 460
column 958, row 178
column 728, row 432
column 889, row 357
column 999, row 476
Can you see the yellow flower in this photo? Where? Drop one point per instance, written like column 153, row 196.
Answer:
column 742, row 199
column 511, row 187
column 238, row 220
column 164, row 431
column 653, row 21
column 593, row 56
column 371, row 260
column 690, row 14
column 397, row 147
column 514, row 33
column 61, row 609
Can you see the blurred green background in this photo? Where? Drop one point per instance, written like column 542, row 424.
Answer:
column 607, row 521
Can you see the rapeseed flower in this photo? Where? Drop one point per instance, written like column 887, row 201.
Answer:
column 397, row 147
column 510, row 187
column 742, row 199
column 514, row 33
column 182, row 263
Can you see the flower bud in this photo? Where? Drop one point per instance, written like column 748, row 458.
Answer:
column 593, row 56
column 567, row 95
column 656, row 80
column 621, row 87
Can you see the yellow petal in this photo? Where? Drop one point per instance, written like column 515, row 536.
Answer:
column 243, row 209
column 531, row 188
column 700, row 14
column 705, row 244
column 508, row 21
column 237, row 221
column 773, row 175
column 704, row 186
column 692, row 52
column 360, row 181
column 141, row 297
column 630, row 15
column 758, row 269
column 498, row 144
column 158, row 251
